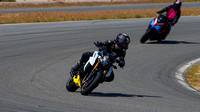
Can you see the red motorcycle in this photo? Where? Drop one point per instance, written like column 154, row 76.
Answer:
column 157, row 27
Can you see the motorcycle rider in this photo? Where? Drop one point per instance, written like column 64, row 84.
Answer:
column 173, row 14
column 118, row 46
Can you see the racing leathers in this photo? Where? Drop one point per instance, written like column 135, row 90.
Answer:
column 109, row 46
column 173, row 13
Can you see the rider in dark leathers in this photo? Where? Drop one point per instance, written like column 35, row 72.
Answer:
column 118, row 46
column 173, row 14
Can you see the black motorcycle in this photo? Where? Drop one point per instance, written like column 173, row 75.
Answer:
column 95, row 71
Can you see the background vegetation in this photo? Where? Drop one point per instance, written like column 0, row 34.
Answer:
column 7, row 0
column 10, row 18
column 64, row 4
column 193, row 77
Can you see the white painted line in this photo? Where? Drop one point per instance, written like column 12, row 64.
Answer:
column 180, row 77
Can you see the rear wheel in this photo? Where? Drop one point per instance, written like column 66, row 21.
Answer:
column 89, row 86
column 70, row 85
column 146, row 36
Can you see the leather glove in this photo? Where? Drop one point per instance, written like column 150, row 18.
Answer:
column 121, row 63
column 99, row 43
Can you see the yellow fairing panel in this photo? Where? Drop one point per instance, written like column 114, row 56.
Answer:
column 77, row 80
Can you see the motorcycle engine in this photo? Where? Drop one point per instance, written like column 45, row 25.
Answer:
column 105, row 62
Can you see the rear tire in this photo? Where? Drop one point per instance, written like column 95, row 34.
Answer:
column 146, row 36
column 92, row 84
column 70, row 85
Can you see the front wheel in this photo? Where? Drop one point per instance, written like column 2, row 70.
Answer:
column 70, row 85
column 146, row 36
column 89, row 86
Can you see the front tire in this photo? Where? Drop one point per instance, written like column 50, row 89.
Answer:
column 146, row 36
column 89, row 86
column 70, row 85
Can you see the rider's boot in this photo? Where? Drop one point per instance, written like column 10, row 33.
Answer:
column 75, row 68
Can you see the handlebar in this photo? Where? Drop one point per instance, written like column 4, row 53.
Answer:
column 99, row 46
column 102, row 48
column 96, row 44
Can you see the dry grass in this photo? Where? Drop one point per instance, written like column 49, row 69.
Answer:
column 193, row 77
column 62, row 4
column 11, row 18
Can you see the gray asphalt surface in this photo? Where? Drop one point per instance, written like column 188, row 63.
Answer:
column 101, row 8
column 35, row 60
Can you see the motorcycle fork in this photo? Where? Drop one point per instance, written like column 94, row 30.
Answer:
column 84, row 79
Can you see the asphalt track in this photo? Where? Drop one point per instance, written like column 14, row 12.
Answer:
column 35, row 60
column 102, row 8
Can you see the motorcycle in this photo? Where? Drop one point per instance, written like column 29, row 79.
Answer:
column 157, row 27
column 95, row 71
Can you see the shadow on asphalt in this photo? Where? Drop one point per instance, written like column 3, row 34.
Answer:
column 172, row 42
column 99, row 94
